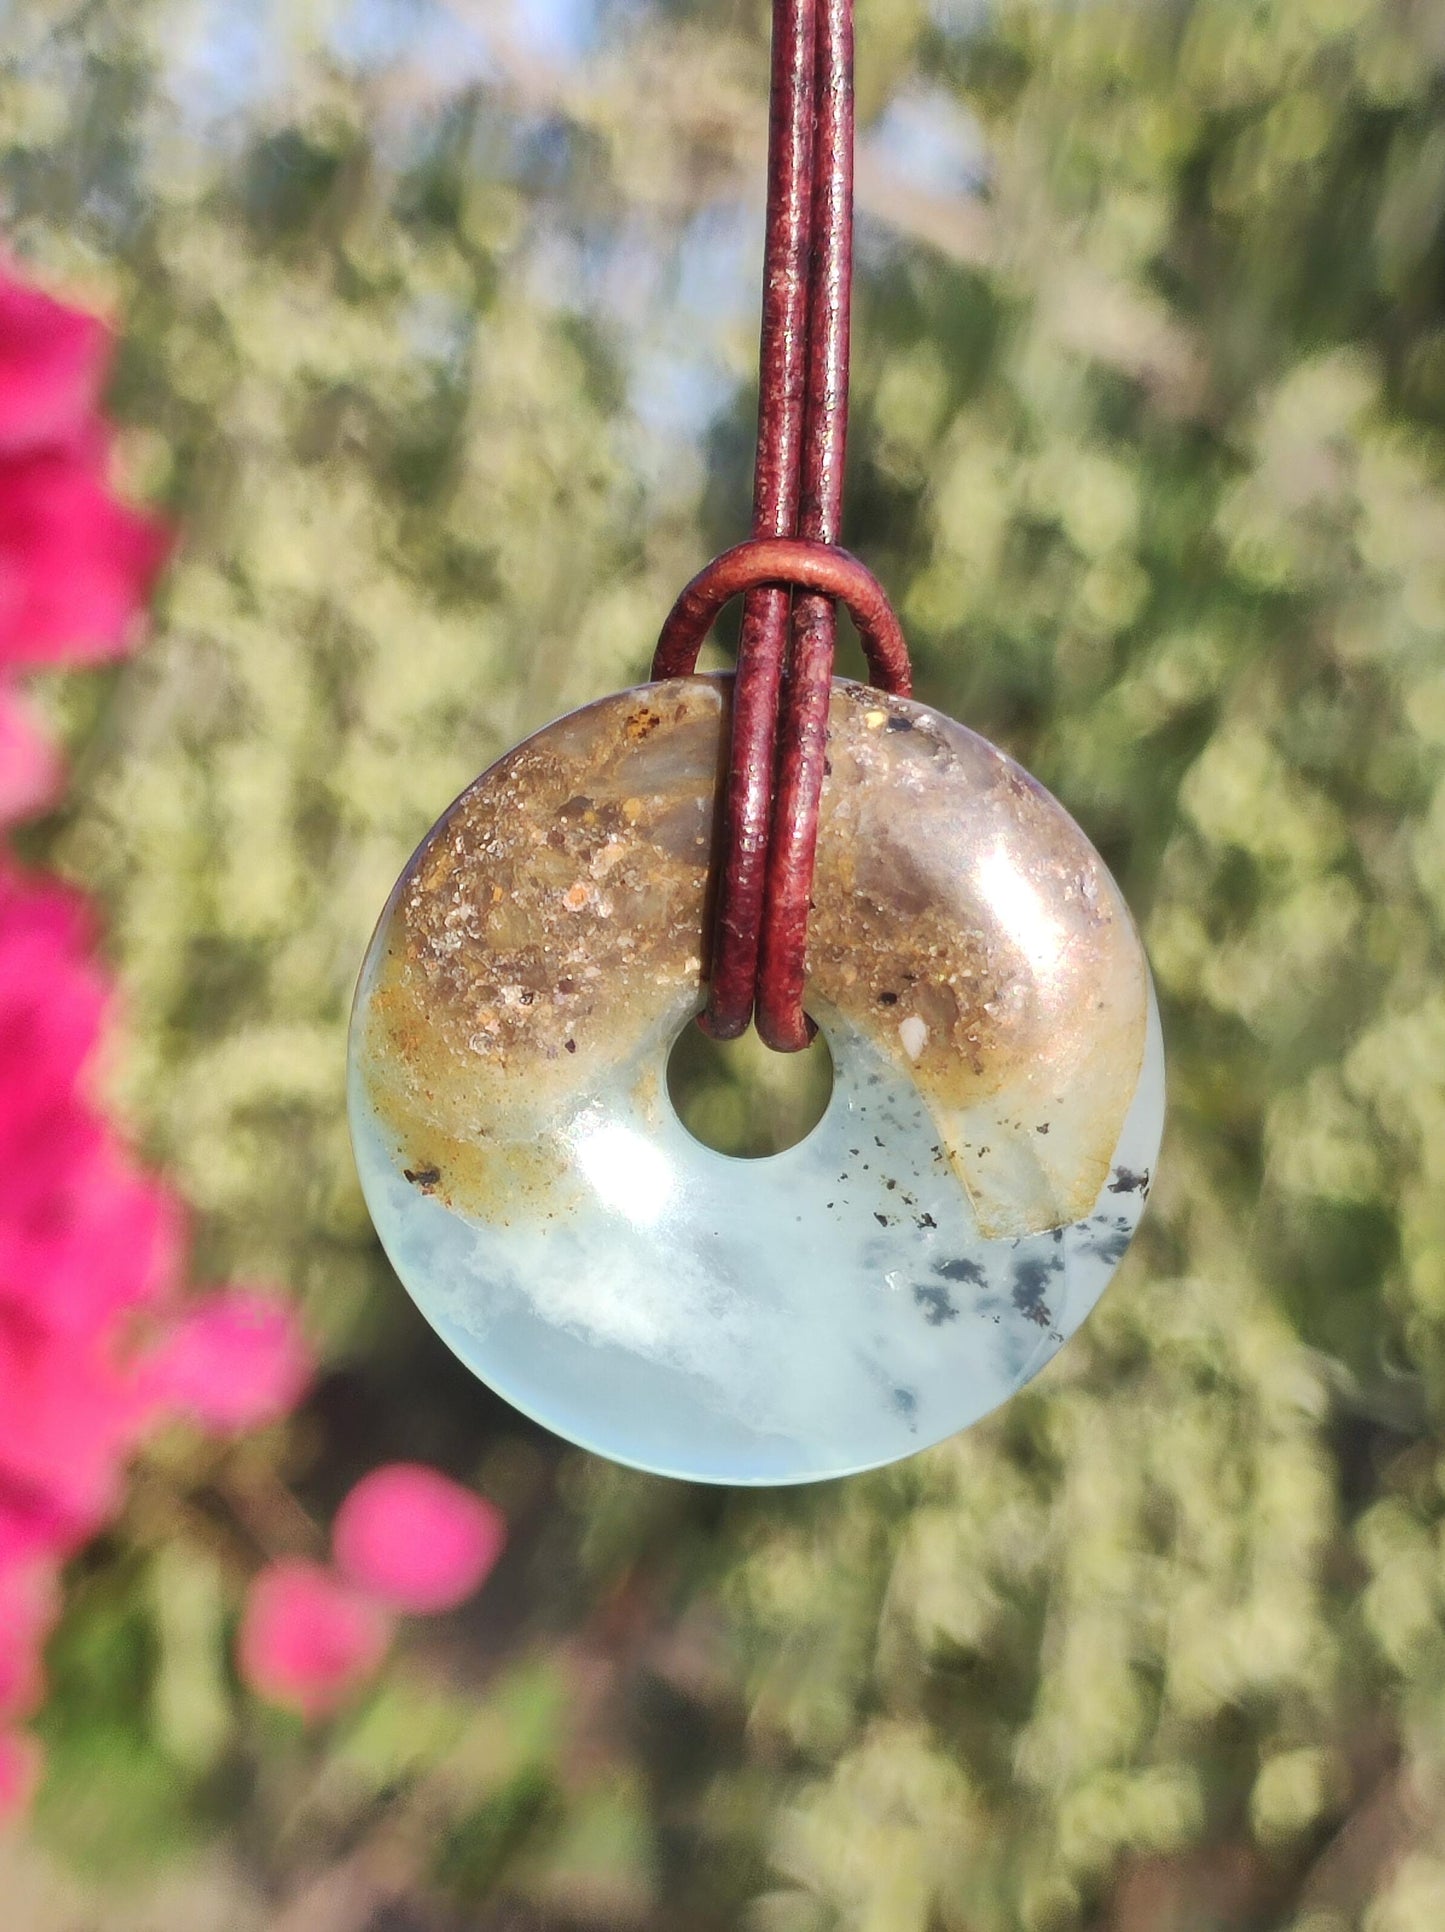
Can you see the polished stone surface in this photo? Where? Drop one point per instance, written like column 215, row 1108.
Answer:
column 981, row 1167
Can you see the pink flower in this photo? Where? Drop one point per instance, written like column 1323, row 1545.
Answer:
column 28, row 1604
column 19, row 1771
column 416, row 1541
column 52, row 999
column 75, row 565
column 69, row 1418
column 52, row 365
column 307, row 1640
column 87, row 1240
column 84, row 1236
column 234, row 1361
column 30, row 770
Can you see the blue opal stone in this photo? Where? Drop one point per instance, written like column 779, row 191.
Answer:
column 979, row 1171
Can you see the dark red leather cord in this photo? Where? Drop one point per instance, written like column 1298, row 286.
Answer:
column 775, row 772
column 786, row 561
column 747, row 809
column 803, row 727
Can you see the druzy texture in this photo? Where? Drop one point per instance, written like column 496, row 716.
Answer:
column 980, row 1169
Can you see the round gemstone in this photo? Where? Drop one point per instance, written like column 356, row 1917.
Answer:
column 973, row 1183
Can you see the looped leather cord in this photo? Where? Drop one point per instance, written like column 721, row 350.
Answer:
column 769, row 827
column 787, row 562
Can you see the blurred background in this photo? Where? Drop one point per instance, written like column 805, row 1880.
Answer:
column 437, row 333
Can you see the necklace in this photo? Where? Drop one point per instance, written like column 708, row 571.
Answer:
column 806, row 852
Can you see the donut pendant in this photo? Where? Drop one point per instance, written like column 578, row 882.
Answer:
column 981, row 1167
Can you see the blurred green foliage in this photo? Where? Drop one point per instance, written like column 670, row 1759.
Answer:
column 442, row 362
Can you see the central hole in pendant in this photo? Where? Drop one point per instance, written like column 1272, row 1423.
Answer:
column 741, row 1098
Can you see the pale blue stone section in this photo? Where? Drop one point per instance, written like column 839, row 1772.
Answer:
column 809, row 1315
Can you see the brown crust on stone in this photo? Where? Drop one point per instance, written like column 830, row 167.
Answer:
column 556, row 915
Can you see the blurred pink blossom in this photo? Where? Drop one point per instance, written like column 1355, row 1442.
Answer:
column 19, row 1771
column 96, row 1349
column 29, row 765
column 52, row 1000
column 75, row 564
column 69, row 1418
column 29, row 1599
column 308, row 1641
column 88, row 1240
column 84, row 1234
column 235, row 1361
column 415, row 1540
column 52, row 365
